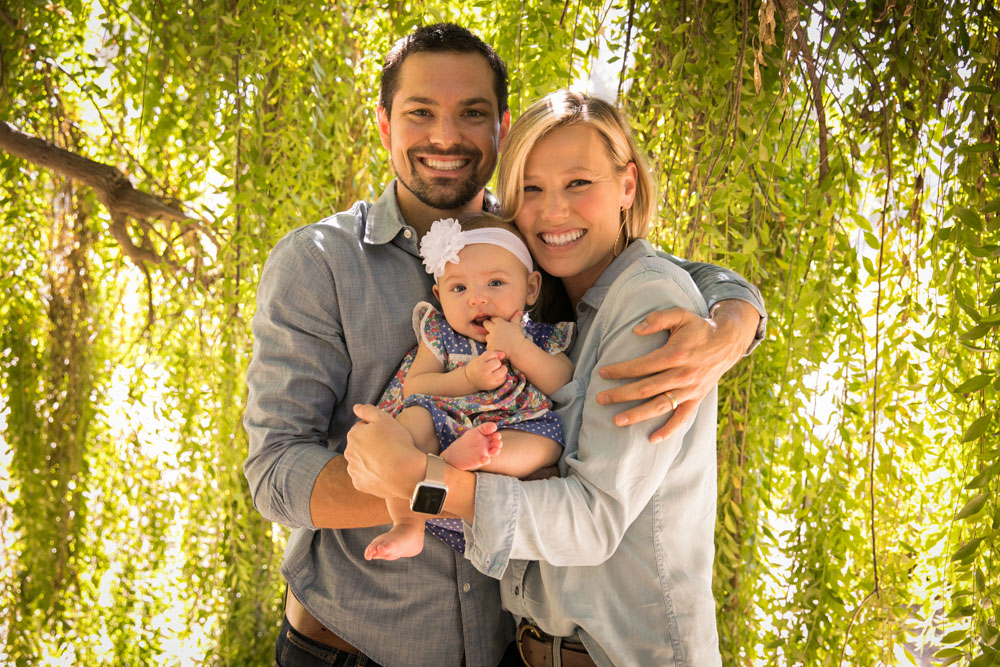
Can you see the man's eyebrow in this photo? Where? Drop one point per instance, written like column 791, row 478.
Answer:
column 472, row 101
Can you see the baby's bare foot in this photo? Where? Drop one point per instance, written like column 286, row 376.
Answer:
column 474, row 448
column 402, row 541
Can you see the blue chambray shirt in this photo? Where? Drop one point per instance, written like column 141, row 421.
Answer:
column 332, row 324
column 618, row 550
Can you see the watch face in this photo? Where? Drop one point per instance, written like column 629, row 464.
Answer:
column 428, row 498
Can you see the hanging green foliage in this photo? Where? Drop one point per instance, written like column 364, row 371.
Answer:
column 842, row 156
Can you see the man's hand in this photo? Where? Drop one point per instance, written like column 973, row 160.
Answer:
column 505, row 335
column 698, row 353
column 381, row 458
column 487, row 371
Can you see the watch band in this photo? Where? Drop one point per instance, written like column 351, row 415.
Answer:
column 435, row 469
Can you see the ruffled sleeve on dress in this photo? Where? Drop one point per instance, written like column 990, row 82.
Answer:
column 429, row 325
column 553, row 338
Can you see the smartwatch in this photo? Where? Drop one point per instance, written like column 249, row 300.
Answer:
column 429, row 495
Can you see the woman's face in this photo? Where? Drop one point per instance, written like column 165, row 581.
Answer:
column 573, row 196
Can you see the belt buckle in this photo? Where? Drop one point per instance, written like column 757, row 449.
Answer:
column 527, row 626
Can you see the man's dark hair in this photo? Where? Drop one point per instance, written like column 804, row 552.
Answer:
column 438, row 38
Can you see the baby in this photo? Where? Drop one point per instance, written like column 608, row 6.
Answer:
column 477, row 388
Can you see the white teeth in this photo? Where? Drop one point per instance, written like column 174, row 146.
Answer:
column 562, row 238
column 445, row 165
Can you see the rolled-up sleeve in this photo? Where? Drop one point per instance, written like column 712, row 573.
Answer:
column 613, row 472
column 720, row 284
column 298, row 373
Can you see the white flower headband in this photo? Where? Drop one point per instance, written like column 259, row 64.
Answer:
column 442, row 243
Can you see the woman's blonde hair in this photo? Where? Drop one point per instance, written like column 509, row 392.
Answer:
column 564, row 108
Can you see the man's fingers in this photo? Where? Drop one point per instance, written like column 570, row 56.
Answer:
column 366, row 412
column 633, row 368
column 647, row 387
column 662, row 320
column 677, row 420
column 655, row 407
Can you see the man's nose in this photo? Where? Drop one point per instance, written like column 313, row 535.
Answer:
column 444, row 132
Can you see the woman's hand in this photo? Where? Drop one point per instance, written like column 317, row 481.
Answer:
column 487, row 371
column 381, row 458
column 698, row 353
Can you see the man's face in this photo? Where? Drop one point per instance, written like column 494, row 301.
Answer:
column 444, row 132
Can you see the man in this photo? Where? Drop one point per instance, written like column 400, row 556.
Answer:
column 332, row 324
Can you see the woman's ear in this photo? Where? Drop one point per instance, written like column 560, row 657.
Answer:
column 629, row 178
column 437, row 294
column 534, row 287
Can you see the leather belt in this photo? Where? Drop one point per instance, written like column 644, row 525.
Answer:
column 307, row 625
column 537, row 648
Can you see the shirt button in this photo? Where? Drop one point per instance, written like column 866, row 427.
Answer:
column 407, row 233
column 466, row 588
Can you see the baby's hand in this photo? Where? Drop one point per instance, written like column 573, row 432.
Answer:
column 487, row 371
column 505, row 335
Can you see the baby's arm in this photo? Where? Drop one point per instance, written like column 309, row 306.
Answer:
column 427, row 375
column 546, row 371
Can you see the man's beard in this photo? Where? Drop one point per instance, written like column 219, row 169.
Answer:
column 441, row 192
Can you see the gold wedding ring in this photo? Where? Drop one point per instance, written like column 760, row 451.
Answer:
column 673, row 400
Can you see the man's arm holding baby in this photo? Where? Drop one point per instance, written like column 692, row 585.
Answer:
column 697, row 354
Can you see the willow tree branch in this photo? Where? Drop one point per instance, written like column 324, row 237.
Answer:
column 816, row 84
column 110, row 185
column 628, row 46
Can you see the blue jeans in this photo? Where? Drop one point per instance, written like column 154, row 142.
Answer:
column 296, row 650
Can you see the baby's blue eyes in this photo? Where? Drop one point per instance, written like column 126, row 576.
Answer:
column 458, row 289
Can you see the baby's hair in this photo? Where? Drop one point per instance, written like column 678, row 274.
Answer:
column 484, row 220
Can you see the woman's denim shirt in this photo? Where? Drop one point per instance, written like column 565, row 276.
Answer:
column 619, row 549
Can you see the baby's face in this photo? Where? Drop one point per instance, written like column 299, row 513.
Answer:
column 488, row 281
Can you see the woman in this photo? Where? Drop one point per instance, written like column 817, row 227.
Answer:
column 611, row 562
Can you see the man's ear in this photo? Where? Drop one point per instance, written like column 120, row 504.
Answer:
column 534, row 287
column 383, row 125
column 504, row 128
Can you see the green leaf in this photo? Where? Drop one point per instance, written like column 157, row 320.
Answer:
column 983, row 478
column 973, row 507
column 983, row 660
column 970, row 218
column 947, row 653
column 974, row 384
column 968, row 550
column 977, row 148
column 954, row 636
column 977, row 428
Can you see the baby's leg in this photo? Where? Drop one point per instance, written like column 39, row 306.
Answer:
column 419, row 423
column 406, row 537
column 523, row 453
